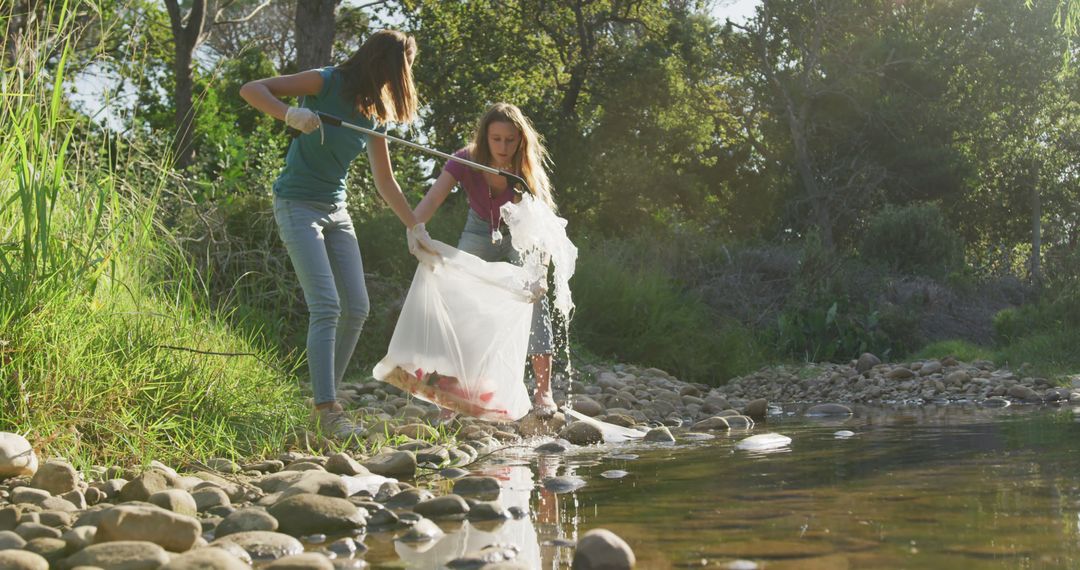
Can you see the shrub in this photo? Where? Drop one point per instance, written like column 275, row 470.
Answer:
column 627, row 312
column 913, row 239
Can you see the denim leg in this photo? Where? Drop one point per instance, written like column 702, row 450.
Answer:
column 301, row 226
column 348, row 268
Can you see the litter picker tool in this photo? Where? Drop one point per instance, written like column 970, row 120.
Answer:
column 513, row 181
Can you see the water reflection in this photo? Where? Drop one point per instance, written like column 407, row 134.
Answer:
column 934, row 487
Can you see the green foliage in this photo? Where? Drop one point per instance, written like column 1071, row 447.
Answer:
column 636, row 314
column 820, row 334
column 913, row 239
column 106, row 335
column 959, row 349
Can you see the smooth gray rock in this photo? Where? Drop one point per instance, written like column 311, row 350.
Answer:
column 828, row 410
column 343, row 464
column 563, row 483
column 659, row 435
column 22, row 560
column 56, row 477
column 445, row 507
column 210, row 558
column 245, row 520
column 263, row 546
column 79, row 537
column 422, row 530
column 484, row 488
column 167, row 529
column 10, row 540
column 713, row 423
column 142, row 486
column 601, row 549
column 121, row 555
column 866, row 362
column 582, row 433
column 306, row 514
column 32, row 530
column 17, row 457
column 398, row 464
column 305, row 561
column 53, row 550
column 209, row 497
column 175, row 500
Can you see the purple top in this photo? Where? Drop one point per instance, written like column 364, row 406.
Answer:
column 481, row 198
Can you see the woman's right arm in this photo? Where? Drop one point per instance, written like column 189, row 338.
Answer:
column 434, row 197
column 265, row 94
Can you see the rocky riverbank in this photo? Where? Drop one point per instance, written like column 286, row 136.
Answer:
column 316, row 505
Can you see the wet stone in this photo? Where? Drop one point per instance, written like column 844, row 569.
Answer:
column 488, row 511
column 828, row 410
column 557, row 446
column 602, row 549
column 486, row 488
column 581, row 433
column 445, row 507
column 659, row 435
column 423, row 530
column 305, row 561
column 563, row 483
column 713, row 423
column 408, row 499
column 263, row 545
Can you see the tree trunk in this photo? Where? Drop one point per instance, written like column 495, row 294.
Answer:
column 1036, row 226
column 186, row 38
column 314, row 33
column 804, row 164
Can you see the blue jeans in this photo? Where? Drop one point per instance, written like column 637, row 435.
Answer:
column 326, row 257
column 476, row 239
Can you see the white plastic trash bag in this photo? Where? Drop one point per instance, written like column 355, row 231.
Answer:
column 462, row 337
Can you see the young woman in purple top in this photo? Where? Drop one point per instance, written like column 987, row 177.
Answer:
column 504, row 139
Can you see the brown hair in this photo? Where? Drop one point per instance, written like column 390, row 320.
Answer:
column 378, row 77
column 531, row 157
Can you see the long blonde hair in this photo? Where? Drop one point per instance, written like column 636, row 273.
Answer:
column 378, row 77
column 531, row 158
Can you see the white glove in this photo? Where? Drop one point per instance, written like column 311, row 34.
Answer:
column 421, row 245
column 302, row 119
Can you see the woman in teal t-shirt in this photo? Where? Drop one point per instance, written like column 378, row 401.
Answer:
column 373, row 87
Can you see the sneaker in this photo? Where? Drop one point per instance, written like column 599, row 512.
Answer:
column 335, row 423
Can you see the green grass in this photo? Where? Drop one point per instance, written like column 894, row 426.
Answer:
column 109, row 352
column 960, row 349
column 630, row 312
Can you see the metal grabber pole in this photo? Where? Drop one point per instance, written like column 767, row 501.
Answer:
column 512, row 180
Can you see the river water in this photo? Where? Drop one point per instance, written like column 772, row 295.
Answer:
column 929, row 487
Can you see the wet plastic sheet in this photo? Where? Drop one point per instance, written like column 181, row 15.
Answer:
column 462, row 337
column 611, row 432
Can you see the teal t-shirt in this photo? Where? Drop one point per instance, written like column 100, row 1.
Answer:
column 316, row 166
